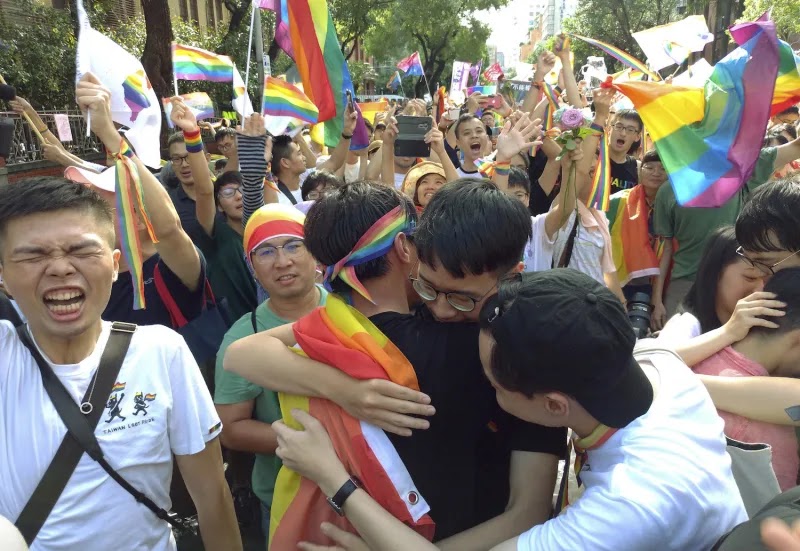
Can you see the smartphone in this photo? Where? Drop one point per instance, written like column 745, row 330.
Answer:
column 350, row 101
column 411, row 133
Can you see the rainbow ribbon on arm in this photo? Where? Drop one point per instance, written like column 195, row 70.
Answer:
column 375, row 243
column 620, row 55
column 129, row 195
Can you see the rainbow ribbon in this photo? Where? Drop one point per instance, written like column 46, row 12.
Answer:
column 620, row 55
column 375, row 243
column 486, row 167
column 129, row 194
column 599, row 198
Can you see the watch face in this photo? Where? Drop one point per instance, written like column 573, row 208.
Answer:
column 335, row 507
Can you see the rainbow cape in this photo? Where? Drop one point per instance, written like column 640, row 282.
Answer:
column 342, row 337
column 634, row 255
column 190, row 63
column 312, row 42
column 704, row 136
column 281, row 99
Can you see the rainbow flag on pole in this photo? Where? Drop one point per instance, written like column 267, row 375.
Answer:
column 620, row 55
column 314, row 46
column 199, row 102
column 787, row 86
column 190, row 63
column 281, row 99
column 704, row 136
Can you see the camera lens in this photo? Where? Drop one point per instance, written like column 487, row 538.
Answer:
column 639, row 314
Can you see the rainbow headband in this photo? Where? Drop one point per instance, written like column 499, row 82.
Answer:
column 375, row 243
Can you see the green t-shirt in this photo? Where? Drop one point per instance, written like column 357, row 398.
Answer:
column 691, row 226
column 227, row 270
column 233, row 389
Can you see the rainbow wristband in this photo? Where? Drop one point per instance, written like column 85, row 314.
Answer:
column 597, row 128
column 502, row 168
column 193, row 141
column 124, row 151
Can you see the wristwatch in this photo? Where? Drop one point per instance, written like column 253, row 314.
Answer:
column 337, row 501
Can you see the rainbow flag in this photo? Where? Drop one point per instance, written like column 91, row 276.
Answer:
column 370, row 109
column 199, row 102
column 620, row 55
column 342, row 337
column 787, row 86
column 118, row 387
column 314, row 46
column 190, row 63
column 705, row 136
column 281, row 99
column 634, row 254
column 601, row 183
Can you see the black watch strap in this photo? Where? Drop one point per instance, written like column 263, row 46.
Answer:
column 337, row 501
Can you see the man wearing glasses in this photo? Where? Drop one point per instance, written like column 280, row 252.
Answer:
column 625, row 131
column 768, row 228
column 184, row 196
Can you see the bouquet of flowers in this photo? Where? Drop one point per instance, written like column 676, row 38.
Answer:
column 571, row 121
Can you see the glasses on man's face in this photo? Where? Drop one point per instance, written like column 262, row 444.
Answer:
column 269, row 253
column 654, row 169
column 459, row 301
column 229, row 191
column 180, row 160
column 619, row 127
column 225, row 147
column 521, row 195
column 766, row 269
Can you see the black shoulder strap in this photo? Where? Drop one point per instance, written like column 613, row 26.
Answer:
column 253, row 320
column 566, row 256
column 69, row 453
column 285, row 190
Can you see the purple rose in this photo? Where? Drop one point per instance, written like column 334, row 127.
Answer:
column 571, row 119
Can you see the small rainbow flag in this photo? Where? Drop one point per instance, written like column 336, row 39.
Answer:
column 620, row 55
column 149, row 397
column 118, row 387
column 601, row 183
column 190, row 63
column 199, row 102
column 281, row 99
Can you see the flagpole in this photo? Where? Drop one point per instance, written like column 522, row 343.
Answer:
column 249, row 51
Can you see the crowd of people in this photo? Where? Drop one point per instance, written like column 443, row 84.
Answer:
column 437, row 349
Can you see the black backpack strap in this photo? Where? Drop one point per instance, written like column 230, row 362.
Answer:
column 285, row 190
column 253, row 320
column 566, row 256
column 69, row 453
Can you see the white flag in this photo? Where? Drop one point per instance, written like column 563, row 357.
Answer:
column 241, row 98
column 672, row 43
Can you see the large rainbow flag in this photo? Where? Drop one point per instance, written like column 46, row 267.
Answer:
column 312, row 42
column 340, row 336
column 787, row 87
column 190, row 63
column 634, row 255
column 704, row 136
column 281, row 99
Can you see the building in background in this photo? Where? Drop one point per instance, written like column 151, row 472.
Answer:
column 555, row 12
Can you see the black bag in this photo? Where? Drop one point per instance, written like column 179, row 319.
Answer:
column 204, row 333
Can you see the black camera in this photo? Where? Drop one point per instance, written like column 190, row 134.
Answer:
column 184, row 529
column 639, row 314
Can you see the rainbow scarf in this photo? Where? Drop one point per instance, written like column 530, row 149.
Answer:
column 190, row 63
column 375, row 243
column 705, row 136
column 620, row 55
column 634, row 255
column 281, row 99
column 342, row 337
column 129, row 195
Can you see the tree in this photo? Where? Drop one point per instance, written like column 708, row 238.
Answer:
column 157, row 57
column 785, row 14
column 353, row 18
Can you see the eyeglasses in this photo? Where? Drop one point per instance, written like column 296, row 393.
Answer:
column 521, row 195
column 225, row 147
column 459, row 301
column 180, row 160
column 269, row 253
column 230, row 191
column 653, row 168
column 619, row 127
column 766, row 269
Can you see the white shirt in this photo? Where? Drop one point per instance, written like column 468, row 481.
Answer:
column 463, row 174
column 589, row 253
column 173, row 414
column 398, row 181
column 351, row 171
column 680, row 329
column 662, row 483
column 538, row 254
column 298, row 193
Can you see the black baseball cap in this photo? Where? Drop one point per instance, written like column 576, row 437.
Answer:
column 565, row 332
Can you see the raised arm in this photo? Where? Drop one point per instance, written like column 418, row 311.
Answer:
column 339, row 154
column 545, row 64
column 308, row 155
column 436, row 139
column 173, row 245
column 205, row 207
column 519, row 136
column 387, row 151
column 767, row 399
column 562, row 50
column 566, row 200
column 255, row 152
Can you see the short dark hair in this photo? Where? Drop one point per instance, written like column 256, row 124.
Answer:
column 450, row 235
column 519, row 178
column 769, row 221
column 225, row 179
column 336, row 222
column 317, row 178
column 281, row 149
column 701, row 300
column 224, row 132
column 42, row 194
column 776, row 134
column 631, row 115
column 651, row 156
column 466, row 117
column 786, row 286
column 220, row 164
column 793, row 110
column 175, row 137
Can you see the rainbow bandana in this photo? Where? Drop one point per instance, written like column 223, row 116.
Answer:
column 273, row 220
column 375, row 243
column 128, row 190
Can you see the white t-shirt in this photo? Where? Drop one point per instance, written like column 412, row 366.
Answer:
column 173, row 414
column 298, row 193
column 351, row 171
column 463, row 174
column 680, row 329
column 591, row 252
column 664, row 482
column 398, row 181
column 538, row 254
